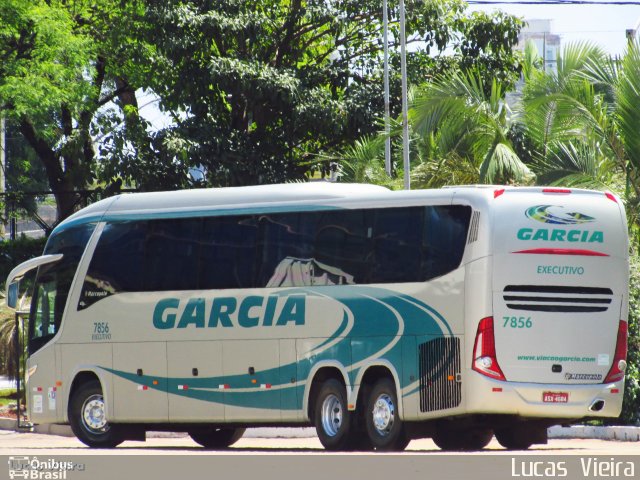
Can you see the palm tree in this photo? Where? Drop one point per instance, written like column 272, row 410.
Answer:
column 464, row 123
column 8, row 352
column 584, row 121
column 568, row 117
column 362, row 162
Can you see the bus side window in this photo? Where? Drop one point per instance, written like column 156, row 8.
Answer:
column 444, row 237
column 117, row 264
column 228, row 252
column 284, row 237
column 396, row 245
column 171, row 254
column 343, row 241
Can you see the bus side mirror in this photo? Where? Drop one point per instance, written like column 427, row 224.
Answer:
column 12, row 294
column 13, row 280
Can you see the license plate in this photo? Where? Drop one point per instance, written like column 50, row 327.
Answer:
column 555, row 397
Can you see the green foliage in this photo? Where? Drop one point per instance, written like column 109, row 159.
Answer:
column 41, row 60
column 14, row 252
column 24, row 173
column 258, row 89
column 469, row 122
column 61, row 62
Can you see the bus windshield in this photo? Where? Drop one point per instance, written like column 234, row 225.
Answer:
column 53, row 282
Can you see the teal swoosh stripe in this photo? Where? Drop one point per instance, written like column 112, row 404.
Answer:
column 375, row 325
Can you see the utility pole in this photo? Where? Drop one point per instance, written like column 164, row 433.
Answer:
column 387, row 122
column 3, row 162
column 405, row 108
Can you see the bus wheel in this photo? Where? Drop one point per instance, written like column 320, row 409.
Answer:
column 331, row 417
column 88, row 420
column 215, row 438
column 514, row 438
column 462, row 439
column 382, row 420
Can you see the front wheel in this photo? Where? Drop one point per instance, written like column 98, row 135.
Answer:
column 217, row 438
column 384, row 427
column 87, row 416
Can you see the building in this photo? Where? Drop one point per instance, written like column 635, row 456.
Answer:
column 548, row 44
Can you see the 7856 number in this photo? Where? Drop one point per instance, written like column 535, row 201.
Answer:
column 517, row 322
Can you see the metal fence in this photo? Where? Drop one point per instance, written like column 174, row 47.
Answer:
column 34, row 214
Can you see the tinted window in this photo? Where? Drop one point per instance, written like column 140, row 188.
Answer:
column 53, row 282
column 171, row 254
column 343, row 241
column 228, row 253
column 117, row 264
column 285, row 249
column 397, row 245
column 444, row 236
column 386, row 245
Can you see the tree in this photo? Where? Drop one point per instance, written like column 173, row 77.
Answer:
column 583, row 121
column 258, row 89
column 61, row 62
column 461, row 123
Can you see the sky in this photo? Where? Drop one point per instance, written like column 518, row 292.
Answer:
column 604, row 25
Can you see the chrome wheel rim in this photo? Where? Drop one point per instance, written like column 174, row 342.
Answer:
column 93, row 414
column 384, row 413
column 332, row 414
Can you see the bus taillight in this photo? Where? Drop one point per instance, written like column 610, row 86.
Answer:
column 484, row 351
column 620, row 359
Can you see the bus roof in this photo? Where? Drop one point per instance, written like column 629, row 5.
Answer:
column 236, row 198
column 254, row 198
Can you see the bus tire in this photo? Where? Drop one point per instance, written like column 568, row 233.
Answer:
column 217, row 438
column 514, row 438
column 384, row 427
column 462, row 439
column 88, row 420
column 332, row 418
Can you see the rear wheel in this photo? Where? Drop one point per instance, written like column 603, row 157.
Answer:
column 331, row 417
column 462, row 439
column 515, row 438
column 216, row 438
column 384, row 427
column 87, row 416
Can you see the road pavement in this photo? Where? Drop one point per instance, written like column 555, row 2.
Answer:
column 12, row 443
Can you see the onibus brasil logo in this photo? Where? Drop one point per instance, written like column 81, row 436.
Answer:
column 554, row 215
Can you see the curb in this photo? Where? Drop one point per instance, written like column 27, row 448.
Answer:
column 621, row 434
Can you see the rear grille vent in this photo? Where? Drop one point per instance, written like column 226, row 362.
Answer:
column 547, row 298
column 440, row 368
column 473, row 227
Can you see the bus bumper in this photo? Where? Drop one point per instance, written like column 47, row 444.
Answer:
column 544, row 400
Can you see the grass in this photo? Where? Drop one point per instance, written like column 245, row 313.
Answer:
column 7, row 396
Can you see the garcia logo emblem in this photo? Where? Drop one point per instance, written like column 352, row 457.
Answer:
column 550, row 214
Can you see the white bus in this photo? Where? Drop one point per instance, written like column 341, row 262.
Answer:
column 375, row 316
